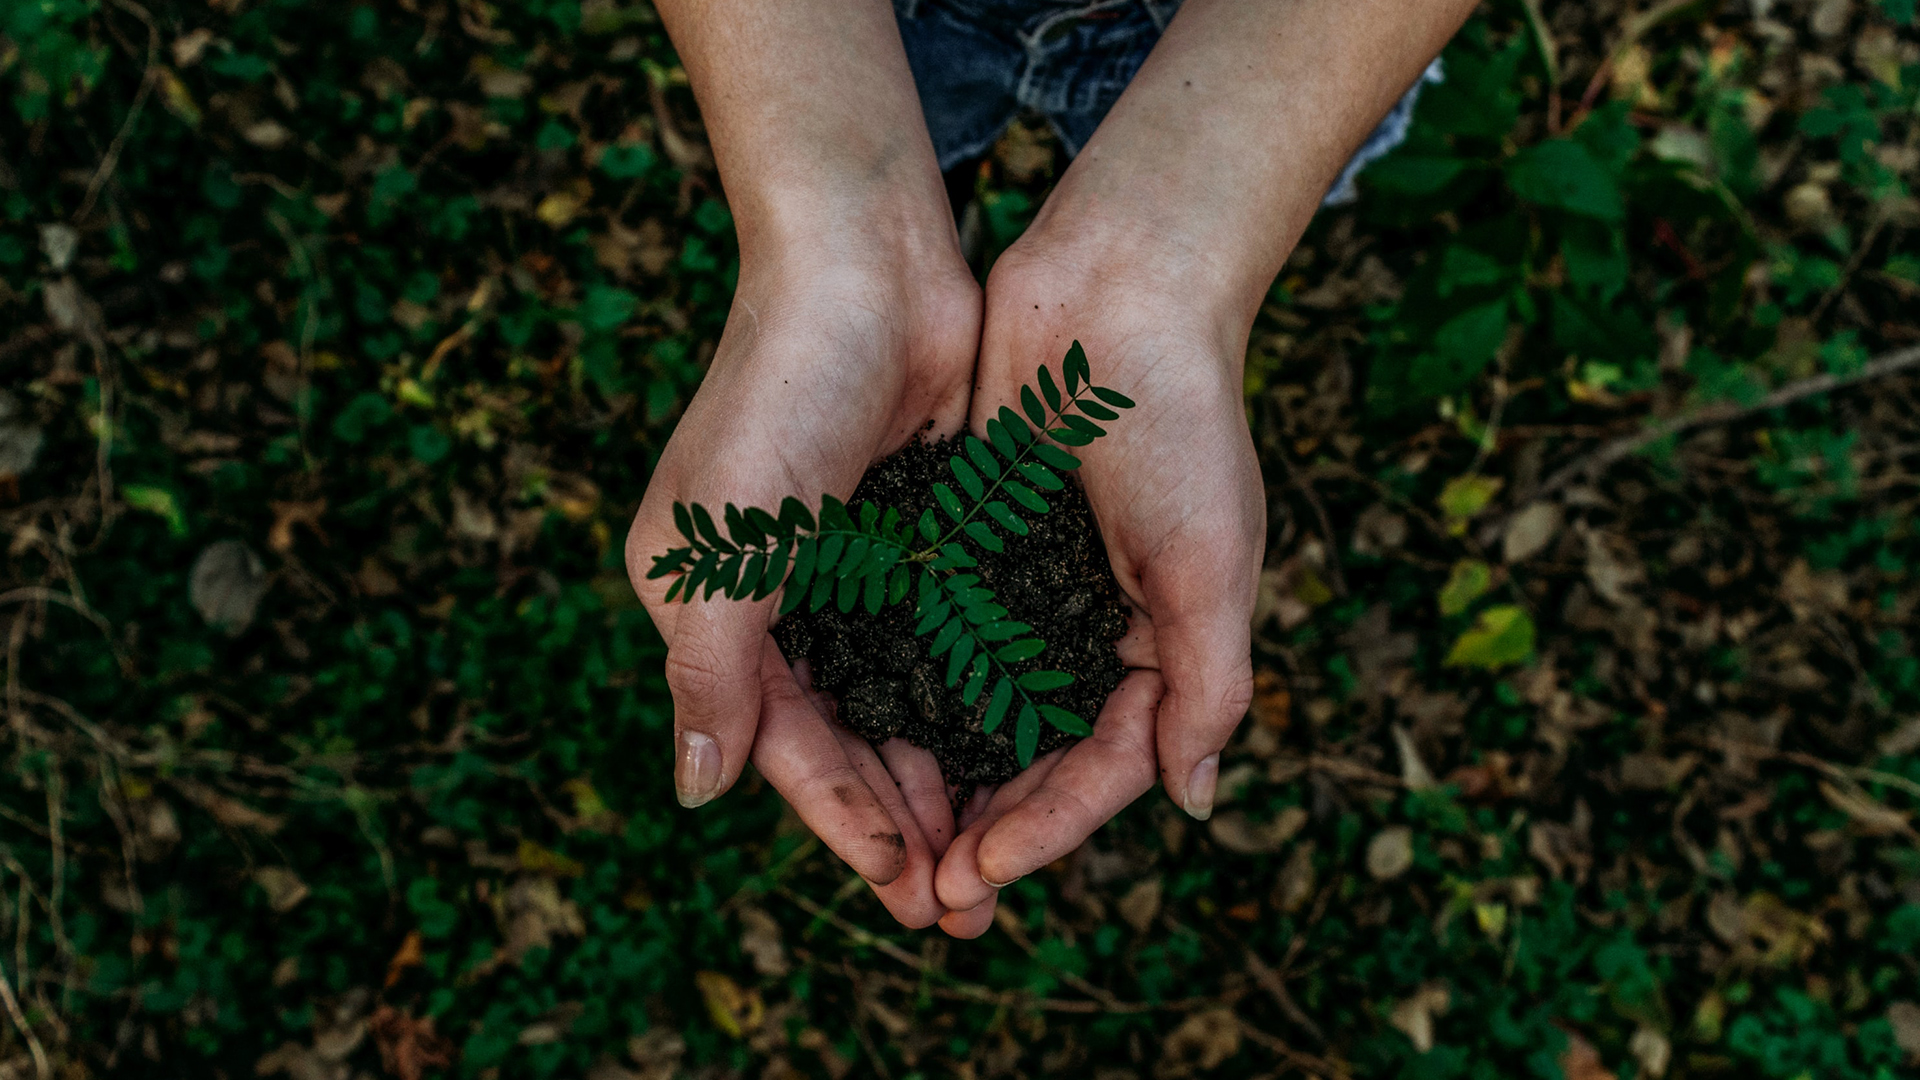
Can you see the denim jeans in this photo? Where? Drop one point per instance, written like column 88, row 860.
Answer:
column 977, row 63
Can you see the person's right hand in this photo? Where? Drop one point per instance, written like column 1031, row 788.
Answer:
column 834, row 355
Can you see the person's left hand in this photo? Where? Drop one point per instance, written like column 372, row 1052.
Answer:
column 1176, row 489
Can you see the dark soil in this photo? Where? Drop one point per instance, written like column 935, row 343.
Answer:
column 887, row 684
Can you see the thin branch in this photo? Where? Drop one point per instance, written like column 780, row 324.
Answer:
column 111, row 159
column 1722, row 413
column 41, row 1066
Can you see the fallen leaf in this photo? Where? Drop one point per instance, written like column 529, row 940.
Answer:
column 1905, row 1018
column 1530, row 531
column 226, row 585
column 20, row 438
column 410, row 954
column 760, row 941
column 1469, row 581
column 1413, row 771
column 1652, row 1050
column 1237, row 831
column 1271, row 699
column 288, row 514
column 1580, row 1061
column 1297, row 879
column 1142, row 903
column 734, row 1010
column 1202, row 1043
column 408, row 1046
column 283, row 887
column 1413, row 1016
column 1390, row 853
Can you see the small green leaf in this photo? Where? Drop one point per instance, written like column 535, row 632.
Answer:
column 997, row 705
column 897, row 586
column 1065, row 721
column 765, row 522
column 1055, row 457
column 794, row 512
column 1036, row 681
column 875, row 592
column 821, row 592
column 983, row 458
column 1026, row 734
column 948, row 501
column 855, row 557
column 957, row 660
column 1113, row 397
column 976, row 682
column 1084, row 426
column 1070, row 437
column 1076, row 364
column 1039, row 475
column 669, row 563
column 1016, row 427
column 1000, row 513
column 931, row 616
column 750, row 575
column 673, row 590
column 833, row 514
column 1024, row 649
column 1031, row 405
column 1465, row 497
column 803, row 562
column 948, row 634
column 984, row 536
column 1002, row 440
column 1469, row 580
column 1049, row 390
column 1097, row 411
column 829, row 557
column 1025, row 496
column 1002, row 631
column 869, row 516
column 704, row 522
column 791, row 600
column 739, row 530
column 969, row 479
column 776, row 570
column 1501, row 636
column 684, row 522
column 929, row 525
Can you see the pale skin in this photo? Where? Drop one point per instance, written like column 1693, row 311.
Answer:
column 856, row 323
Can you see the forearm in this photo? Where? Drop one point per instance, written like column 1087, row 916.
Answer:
column 814, row 120
column 1211, row 164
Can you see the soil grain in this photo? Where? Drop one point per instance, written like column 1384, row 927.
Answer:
column 884, row 679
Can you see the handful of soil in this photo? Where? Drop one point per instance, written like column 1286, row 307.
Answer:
column 1056, row 578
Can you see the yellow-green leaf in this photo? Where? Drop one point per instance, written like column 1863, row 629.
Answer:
column 1464, row 497
column 159, row 502
column 1469, row 581
column 1501, row 636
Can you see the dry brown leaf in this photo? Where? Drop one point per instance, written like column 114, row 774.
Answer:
column 1142, row 903
column 408, row 1046
column 1580, row 1061
column 1238, row 832
column 760, row 940
column 1413, row 1017
column 1202, row 1043
column 227, row 584
column 288, row 514
column 1530, row 531
column 1652, row 1050
column 1868, row 814
column 1390, row 853
column 283, row 887
column 410, row 954
column 1905, row 1018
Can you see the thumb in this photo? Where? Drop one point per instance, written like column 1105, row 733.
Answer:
column 713, row 673
column 1205, row 651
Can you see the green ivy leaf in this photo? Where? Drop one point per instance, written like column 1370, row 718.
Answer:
column 1469, row 581
column 1502, row 636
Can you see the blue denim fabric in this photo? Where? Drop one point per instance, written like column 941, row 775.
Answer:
column 977, row 63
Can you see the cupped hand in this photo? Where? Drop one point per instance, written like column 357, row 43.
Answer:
column 828, row 363
column 1176, row 490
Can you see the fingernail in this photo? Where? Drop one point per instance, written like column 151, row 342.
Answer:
column 1200, row 785
column 996, row 885
column 696, row 770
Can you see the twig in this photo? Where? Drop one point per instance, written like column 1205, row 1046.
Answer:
column 1550, row 59
column 1852, row 773
column 966, row 991
column 1299, row 1059
column 1304, row 484
column 111, row 159
column 41, row 593
column 1724, row 412
column 1637, row 28
column 41, row 1066
column 1275, row 984
column 1853, row 264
